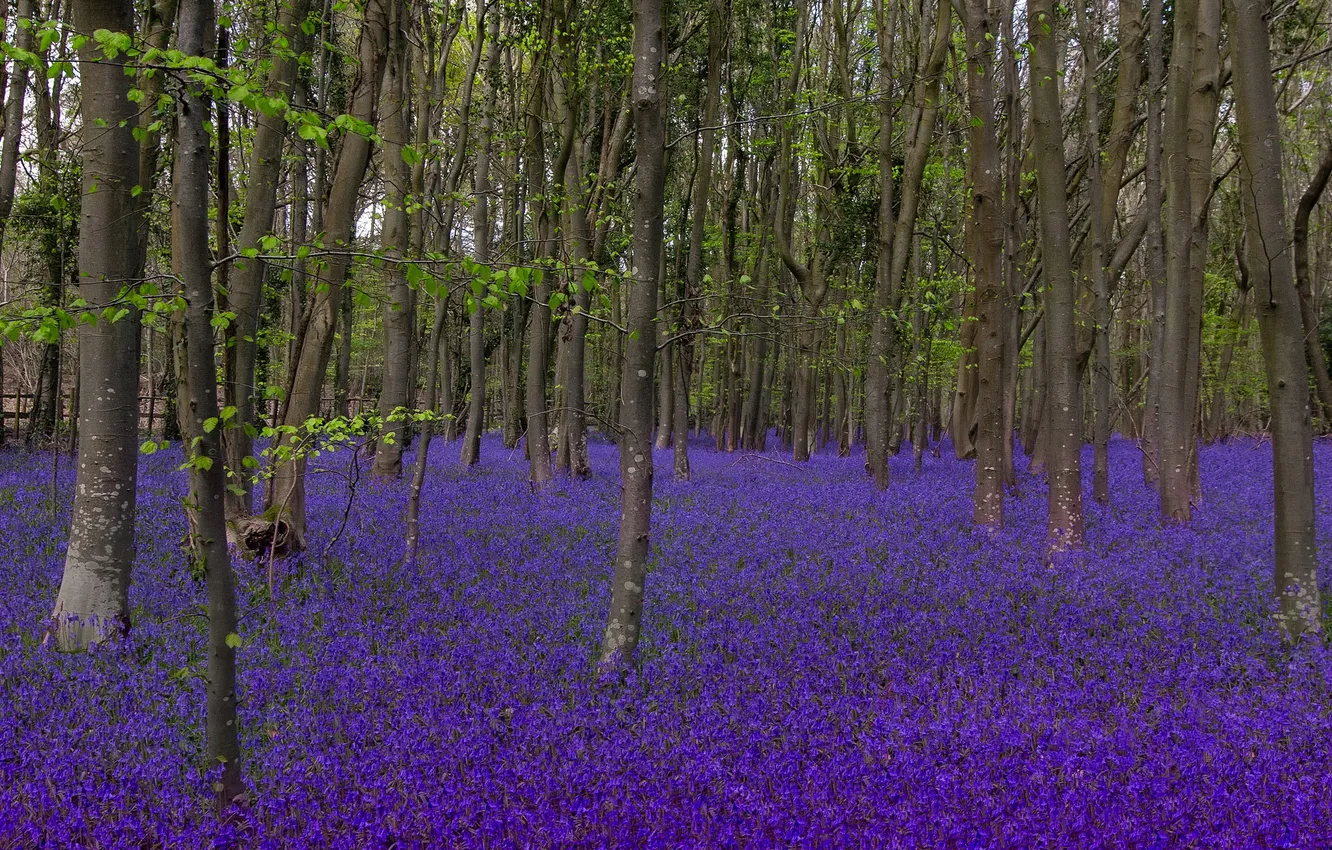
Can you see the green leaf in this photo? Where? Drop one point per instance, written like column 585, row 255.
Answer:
column 234, row 641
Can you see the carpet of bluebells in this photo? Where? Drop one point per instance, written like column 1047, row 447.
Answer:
column 823, row 666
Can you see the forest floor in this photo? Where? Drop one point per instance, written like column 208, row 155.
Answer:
column 823, row 665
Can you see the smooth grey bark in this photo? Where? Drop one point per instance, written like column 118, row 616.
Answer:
column 193, row 262
column 93, row 602
column 1279, row 323
column 625, row 615
column 1063, row 419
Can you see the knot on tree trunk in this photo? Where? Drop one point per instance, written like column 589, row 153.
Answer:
column 259, row 537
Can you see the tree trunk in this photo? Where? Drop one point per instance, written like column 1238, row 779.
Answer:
column 400, row 308
column 1175, row 417
column 339, row 220
column 1154, row 253
column 93, row 602
column 1101, row 211
column 1308, row 312
column 247, row 289
column 1296, row 555
column 1063, row 419
column 13, row 130
column 666, row 386
column 987, row 246
column 476, row 316
column 207, row 473
column 692, row 311
column 626, row 603
column 413, row 523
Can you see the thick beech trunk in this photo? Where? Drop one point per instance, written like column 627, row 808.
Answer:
column 93, row 602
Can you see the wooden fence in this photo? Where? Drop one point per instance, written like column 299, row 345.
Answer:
column 16, row 409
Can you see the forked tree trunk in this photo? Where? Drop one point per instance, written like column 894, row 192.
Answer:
column 93, row 602
column 896, row 235
column 1279, row 324
column 1308, row 312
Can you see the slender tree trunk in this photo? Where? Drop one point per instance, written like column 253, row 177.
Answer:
column 476, row 317
column 207, row 473
column 13, row 129
column 246, row 279
column 1063, row 420
column 1101, row 206
column 540, row 341
column 666, row 386
column 413, row 523
column 1296, row 552
column 400, row 308
column 693, row 276
column 1308, row 312
column 339, row 220
column 626, row 603
column 987, row 245
column 1155, row 247
column 93, row 602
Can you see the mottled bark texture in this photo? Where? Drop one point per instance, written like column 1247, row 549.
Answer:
column 626, row 602
column 93, row 602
